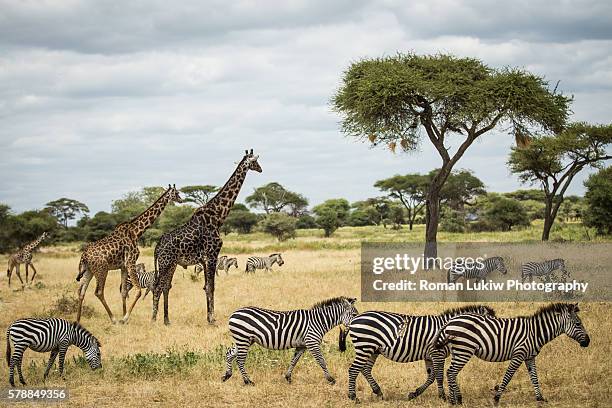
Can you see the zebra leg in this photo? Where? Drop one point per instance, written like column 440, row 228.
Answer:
column 15, row 359
column 18, row 361
column 353, row 372
column 533, row 375
column 438, row 357
column 296, row 357
column 54, row 353
column 62, row 357
column 230, row 356
column 241, row 355
column 515, row 363
column 458, row 362
column 431, row 375
column 367, row 373
column 314, row 348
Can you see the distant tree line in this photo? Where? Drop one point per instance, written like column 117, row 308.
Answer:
column 465, row 204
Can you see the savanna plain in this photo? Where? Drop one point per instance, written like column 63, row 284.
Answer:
column 150, row 364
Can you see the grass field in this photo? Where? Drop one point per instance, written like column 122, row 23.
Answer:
column 154, row 365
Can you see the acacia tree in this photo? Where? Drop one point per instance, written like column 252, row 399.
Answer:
column 399, row 100
column 66, row 209
column 410, row 190
column 199, row 195
column 554, row 160
column 460, row 189
column 273, row 197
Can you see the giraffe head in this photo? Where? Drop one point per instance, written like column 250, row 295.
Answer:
column 173, row 194
column 250, row 161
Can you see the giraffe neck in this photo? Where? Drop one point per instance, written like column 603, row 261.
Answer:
column 220, row 205
column 30, row 247
column 139, row 224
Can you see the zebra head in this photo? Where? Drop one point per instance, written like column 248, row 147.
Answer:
column 499, row 264
column 348, row 314
column 278, row 259
column 251, row 161
column 89, row 344
column 572, row 325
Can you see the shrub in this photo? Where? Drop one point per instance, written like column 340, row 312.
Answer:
column 67, row 306
column 452, row 221
column 279, row 225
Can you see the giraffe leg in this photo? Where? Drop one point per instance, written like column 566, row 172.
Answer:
column 209, row 287
column 124, row 290
column 9, row 272
column 166, row 295
column 101, row 281
column 131, row 267
column 34, row 274
column 82, row 289
column 27, row 268
column 17, row 267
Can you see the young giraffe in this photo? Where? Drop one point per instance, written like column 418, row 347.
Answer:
column 119, row 250
column 199, row 240
column 23, row 256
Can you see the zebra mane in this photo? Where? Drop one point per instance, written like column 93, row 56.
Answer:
column 467, row 309
column 556, row 308
column 274, row 254
column 328, row 302
column 77, row 326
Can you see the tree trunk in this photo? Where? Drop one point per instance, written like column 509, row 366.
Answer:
column 548, row 219
column 432, row 216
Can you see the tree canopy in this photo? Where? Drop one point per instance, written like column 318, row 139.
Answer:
column 409, row 189
column 598, row 197
column 399, row 100
column 66, row 209
column 273, row 197
column 198, row 194
column 554, row 160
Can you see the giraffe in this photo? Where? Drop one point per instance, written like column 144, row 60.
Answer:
column 24, row 256
column 199, row 240
column 119, row 250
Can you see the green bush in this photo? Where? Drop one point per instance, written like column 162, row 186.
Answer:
column 279, row 225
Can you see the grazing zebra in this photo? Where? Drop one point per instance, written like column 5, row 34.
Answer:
column 301, row 329
column 516, row 339
column 43, row 335
column 224, row 263
column 531, row 269
column 145, row 279
column 258, row 262
column 477, row 271
column 403, row 339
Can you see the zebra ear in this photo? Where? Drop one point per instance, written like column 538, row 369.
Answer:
column 352, row 300
column 576, row 308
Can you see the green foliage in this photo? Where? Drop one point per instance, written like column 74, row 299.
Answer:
column 66, row 209
column 97, row 227
column 273, row 197
column 198, row 195
column 526, row 195
column 332, row 214
column 305, row 221
column 453, row 221
column 498, row 213
column 18, row 230
column 460, row 189
column 240, row 220
column 409, row 189
column 154, row 365
column 598, row 198
column 279, row 225
column 372, row 211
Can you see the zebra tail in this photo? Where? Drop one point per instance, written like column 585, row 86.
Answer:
column 342, row 339
column 146, row 292
column 8, row 349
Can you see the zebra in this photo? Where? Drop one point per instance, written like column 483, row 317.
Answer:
column 301, row 329
column 145, row 279
column 516, row 339
column 51, row 334
column 223, row 263
column 257, row 262
column 478, row 271
column 531, row 269
column 400, row 338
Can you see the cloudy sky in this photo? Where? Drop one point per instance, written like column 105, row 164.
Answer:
column 100, row 98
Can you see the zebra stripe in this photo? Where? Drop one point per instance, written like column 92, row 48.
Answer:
column 400, row 338
column 44, row 335
column 280, row 330
column 257, row 262
column 145, row 279
column 516, row 339
column 223, row 263
column 531, row 269
column 477, row 271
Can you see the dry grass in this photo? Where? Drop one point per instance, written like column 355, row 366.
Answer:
column 181, row 365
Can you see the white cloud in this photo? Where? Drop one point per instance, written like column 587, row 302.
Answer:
column 97, row 98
